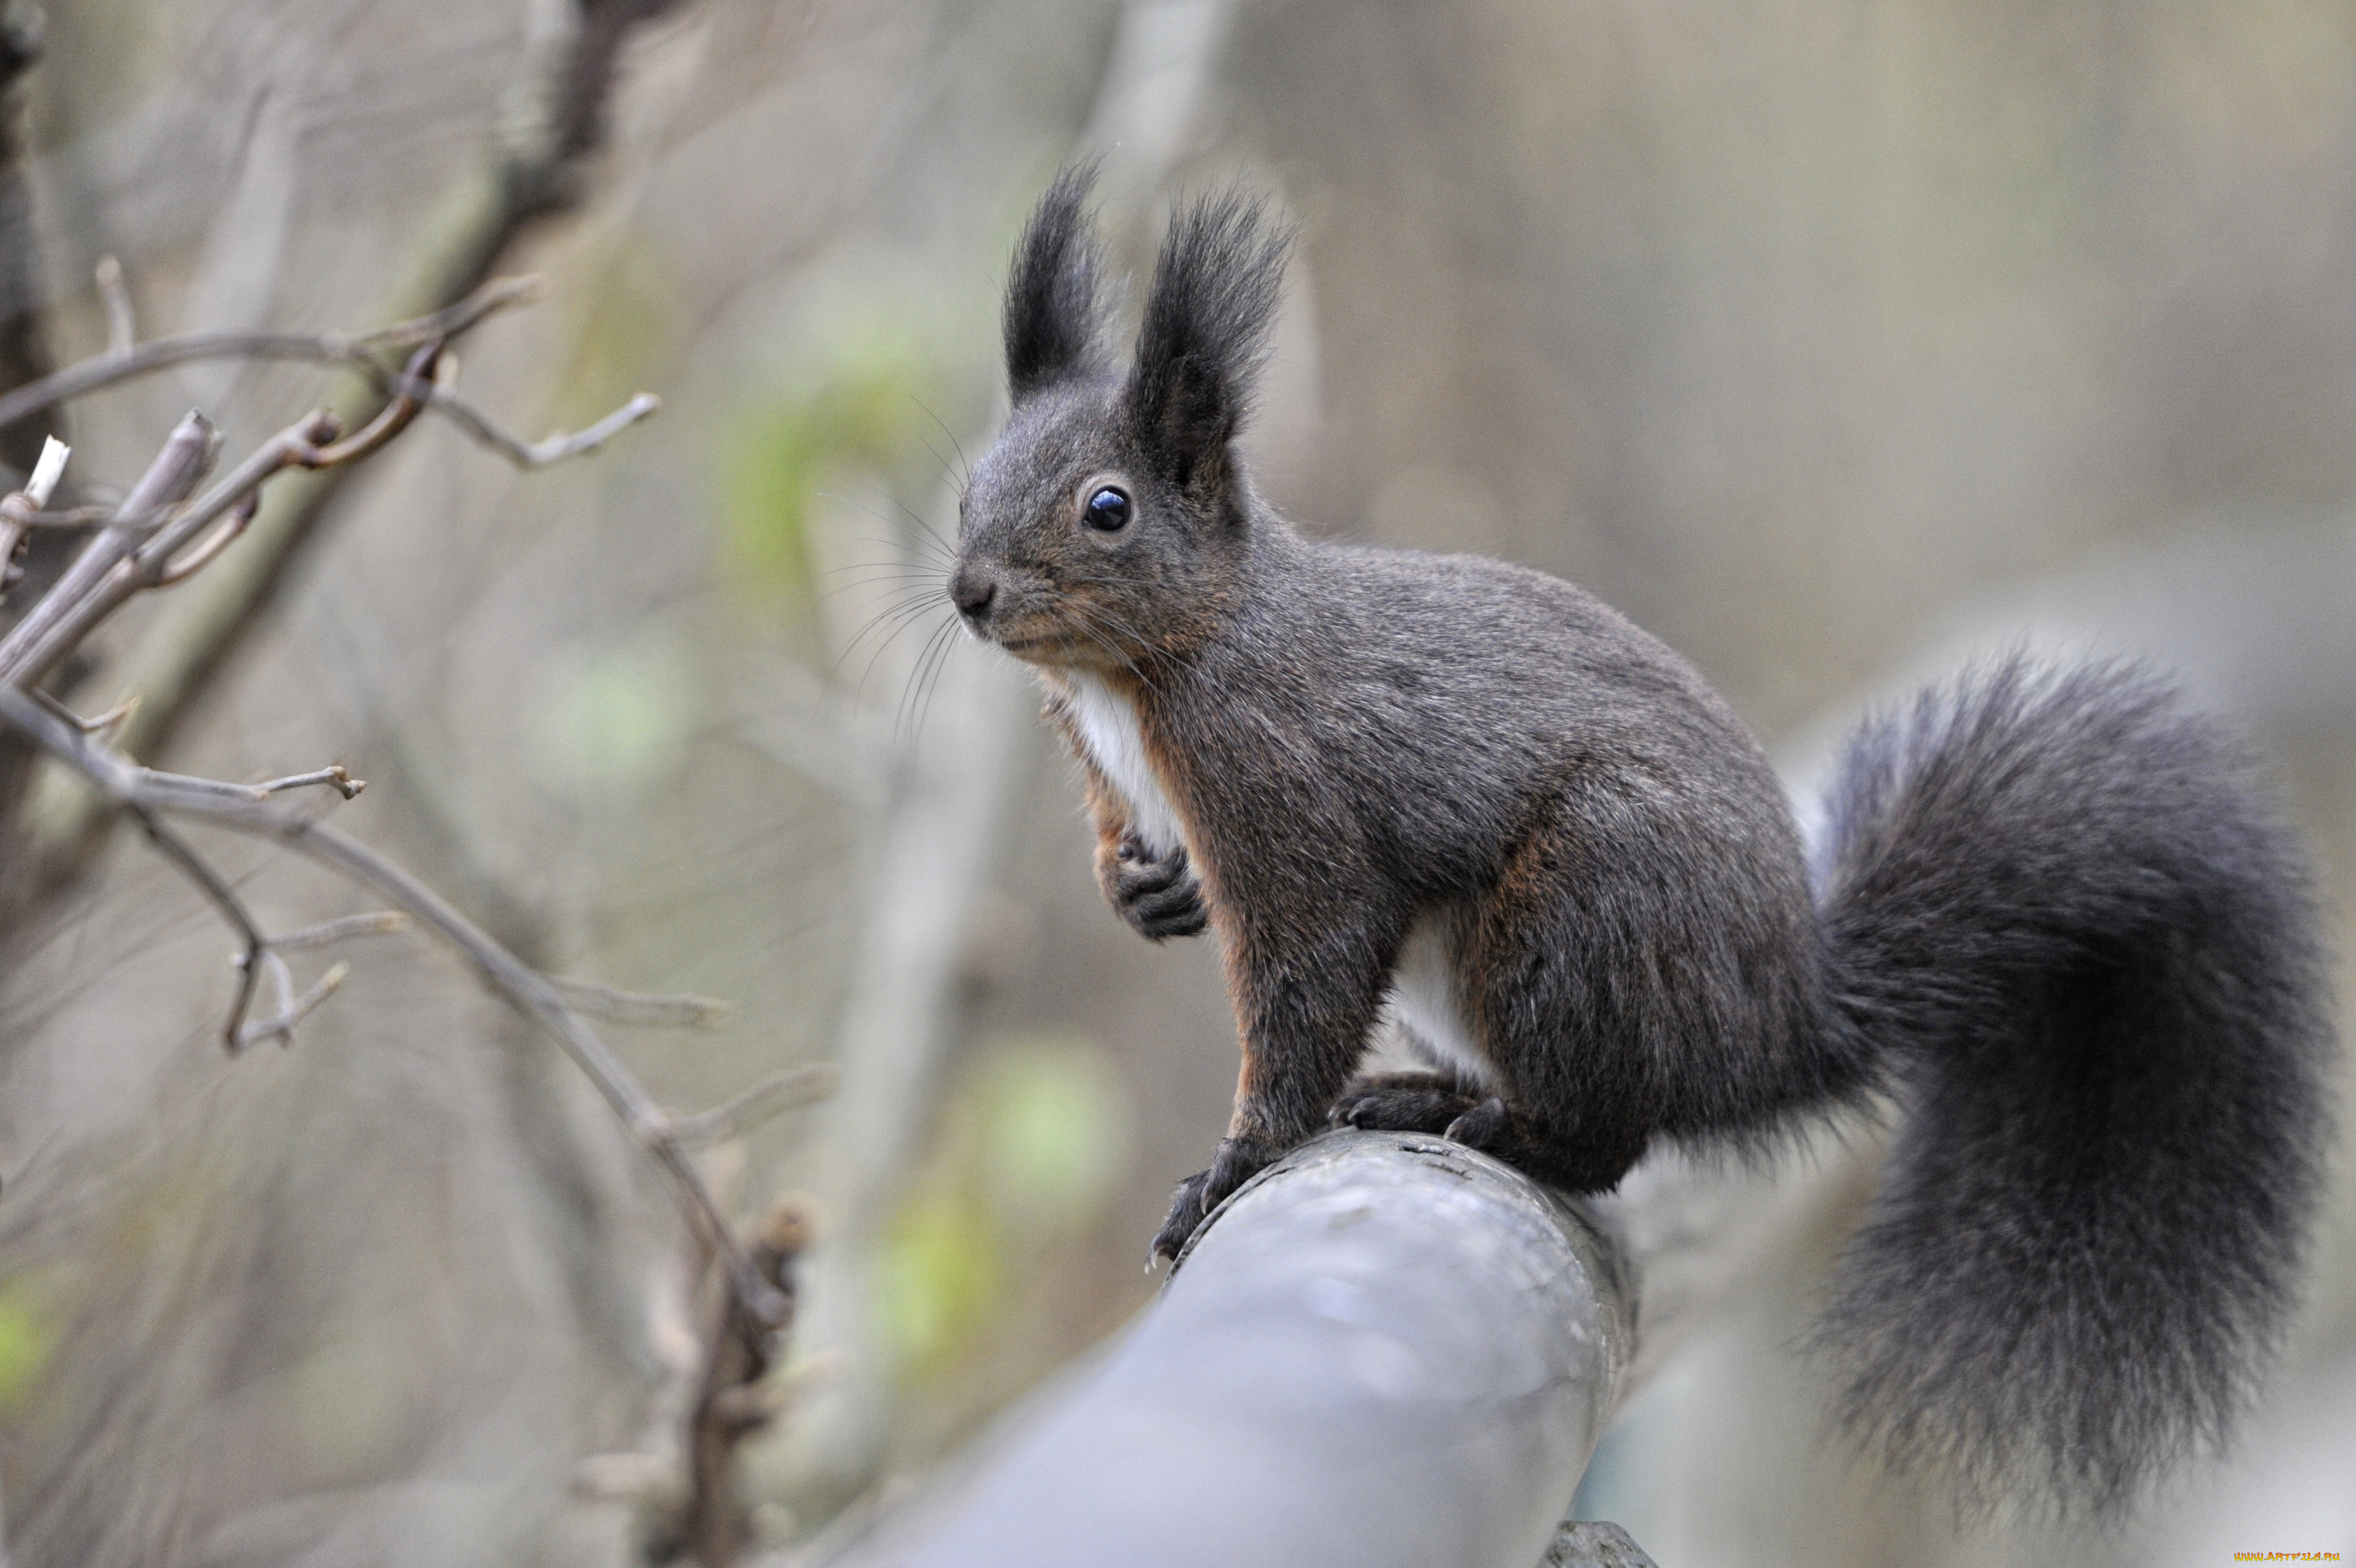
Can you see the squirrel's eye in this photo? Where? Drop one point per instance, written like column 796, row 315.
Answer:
column 1107, row 511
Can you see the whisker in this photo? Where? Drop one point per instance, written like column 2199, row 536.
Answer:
column 948, row 473
column 1089, row 630
column 902, row 621
column 928, row 661
column 929, row 539
column 1102, row 616
column 894, row 613
column 940, row 667
column 954, row 441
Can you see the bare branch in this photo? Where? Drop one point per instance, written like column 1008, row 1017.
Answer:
column 169, row 787
column 763, row 1304
column 223, row 898
column 552, row 448
column 98, row 726
column 770, row 1098
column 141, row 548
column 71, row 517
column 337, row 777
column 356, row 353
column 448, row 279
column 292, row 1009
column 383, row 922
column 58, row 619
column 456, row 320
column 20, row 510
column 196, row 560
column 640, row 1007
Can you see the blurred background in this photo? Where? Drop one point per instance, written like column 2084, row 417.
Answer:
column 1831, row 339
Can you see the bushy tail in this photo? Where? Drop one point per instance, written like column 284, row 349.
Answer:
column 2063, row 917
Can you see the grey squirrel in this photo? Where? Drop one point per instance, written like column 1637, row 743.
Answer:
column 2056, row 920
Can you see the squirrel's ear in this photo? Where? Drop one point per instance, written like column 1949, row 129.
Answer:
column 1206, row 327
column 1051, row 294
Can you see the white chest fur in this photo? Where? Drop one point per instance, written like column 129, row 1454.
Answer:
column 1425, row 996
column 1107, row 726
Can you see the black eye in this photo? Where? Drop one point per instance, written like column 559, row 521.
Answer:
column 1107, row 511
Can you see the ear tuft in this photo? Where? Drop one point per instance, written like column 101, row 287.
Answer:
column 1206, row 328
column 1052, row 305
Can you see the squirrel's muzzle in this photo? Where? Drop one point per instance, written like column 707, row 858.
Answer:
column 971, row 590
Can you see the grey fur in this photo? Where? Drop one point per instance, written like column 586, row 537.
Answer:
column 2061, row 924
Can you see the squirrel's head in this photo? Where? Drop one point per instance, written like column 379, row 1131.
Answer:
column 1105, row 525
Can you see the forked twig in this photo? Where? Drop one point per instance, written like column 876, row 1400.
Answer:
column 125, row 360
column 145, row 794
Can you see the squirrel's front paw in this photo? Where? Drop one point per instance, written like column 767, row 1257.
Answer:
column 1239, row 1160
column 1160, row 897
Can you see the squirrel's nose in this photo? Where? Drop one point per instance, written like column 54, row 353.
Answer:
column 971, row 590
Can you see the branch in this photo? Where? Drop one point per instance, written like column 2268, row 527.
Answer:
column 770, row 1098
column 125, row 361
column 523, row 179
column 225, row 900
column 146, row 793
column 35, row 643
column 1368, row 1306
column 637, row 1007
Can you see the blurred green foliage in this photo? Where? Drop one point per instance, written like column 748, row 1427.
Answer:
column 26, row 1339
column 628, row 330
column 1035, row 1142
column 616, row 720
column 867, row 412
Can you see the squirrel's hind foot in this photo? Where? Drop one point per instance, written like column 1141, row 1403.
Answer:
column 1402, row 1103
column 1237, row 1161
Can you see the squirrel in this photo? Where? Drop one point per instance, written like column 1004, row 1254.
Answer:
column 2055, row 919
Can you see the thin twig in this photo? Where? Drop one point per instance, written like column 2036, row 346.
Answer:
column 57, row 620
column 142, row 548
column 70, row 517
column 319, row 347
column 143, row 793
column 292, row 1009
column 337, row 777
column 356, row 354
column 223, row 534
column 770, row 1098
column 98, row 726
column 600, row 1001
column 173, row 785
column 383, row 922
column 551, row 448
column 223, row 897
